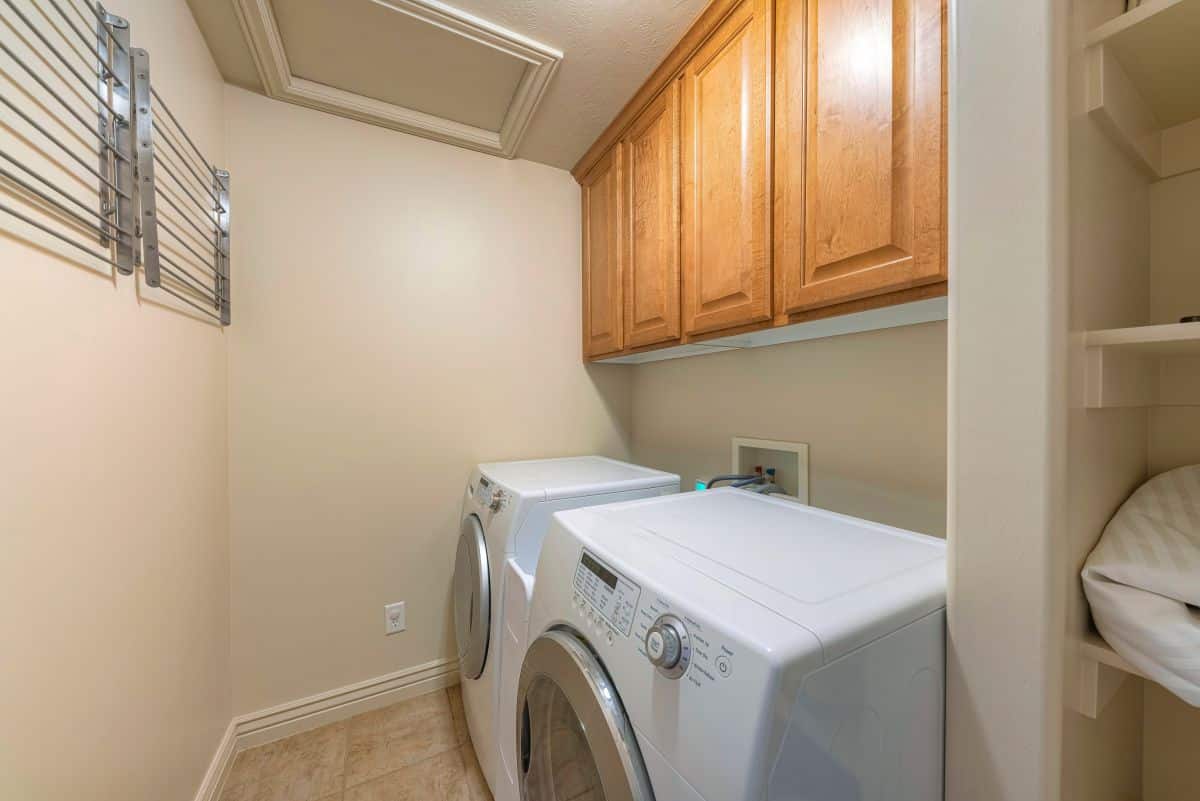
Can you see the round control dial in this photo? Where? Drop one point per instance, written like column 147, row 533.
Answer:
column 668, row 646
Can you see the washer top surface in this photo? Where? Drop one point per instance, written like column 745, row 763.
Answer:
column 846, row 580
column 574, row 476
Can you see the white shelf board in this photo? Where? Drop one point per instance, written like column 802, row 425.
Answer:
column 1094, row 648
column 1174, row 339
column 1142, row 87
column 1122, row 365
column 1156, row 43
column 914, row 313
column 1102, row 673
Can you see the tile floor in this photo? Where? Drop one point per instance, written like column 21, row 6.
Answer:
column 416, row 750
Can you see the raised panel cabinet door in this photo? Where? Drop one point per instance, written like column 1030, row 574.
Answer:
column 602, row 257
column 860, row 178
column 650, row 163
column 726, row 151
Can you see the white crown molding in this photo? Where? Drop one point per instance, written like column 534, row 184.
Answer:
column 266, row 46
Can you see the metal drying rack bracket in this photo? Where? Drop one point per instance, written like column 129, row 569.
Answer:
column 160, row 203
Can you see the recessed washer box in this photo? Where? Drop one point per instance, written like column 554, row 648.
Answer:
column 790, row 460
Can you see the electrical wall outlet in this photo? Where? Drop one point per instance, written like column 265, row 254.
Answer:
column 393, row 618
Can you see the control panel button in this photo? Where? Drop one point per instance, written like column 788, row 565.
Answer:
column 668, row 646
column 724, row 666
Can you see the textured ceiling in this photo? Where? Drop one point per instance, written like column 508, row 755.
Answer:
column 609, row 46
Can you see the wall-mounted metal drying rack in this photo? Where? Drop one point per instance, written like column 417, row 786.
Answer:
column 184, row 198
column 85, row 111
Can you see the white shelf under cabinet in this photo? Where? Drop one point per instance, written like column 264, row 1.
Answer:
column 1142, row 87
column 1122, row 364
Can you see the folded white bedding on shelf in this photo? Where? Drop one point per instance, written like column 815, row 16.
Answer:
column 1143, row 581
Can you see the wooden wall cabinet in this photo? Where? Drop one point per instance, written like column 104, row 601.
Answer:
column 786, row 162
column 650, row 153
column 859, row 149
column 726, row 153
column 602, row 245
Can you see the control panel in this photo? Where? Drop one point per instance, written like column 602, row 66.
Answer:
column 489, row 495
column 682, row 647
column 668, row 646
column 614, row 596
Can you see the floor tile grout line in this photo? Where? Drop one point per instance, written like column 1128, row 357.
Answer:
column 461, row 740
column 346, row 786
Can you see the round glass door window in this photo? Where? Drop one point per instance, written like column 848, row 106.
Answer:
column 576, row 743
column 563, row 766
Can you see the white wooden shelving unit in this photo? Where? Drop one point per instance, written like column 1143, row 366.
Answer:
column 1142, row 85
column 1122, row 364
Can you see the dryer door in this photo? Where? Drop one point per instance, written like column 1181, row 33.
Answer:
column 575, row 740
column 472, row 598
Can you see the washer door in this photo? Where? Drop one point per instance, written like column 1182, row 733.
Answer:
column 575, row 740
column 472, row 598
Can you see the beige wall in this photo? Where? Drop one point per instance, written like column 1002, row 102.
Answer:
column 1175, row 293
column 405, row 309
column 872, row 408
column 1172, row 728
column 114, row 580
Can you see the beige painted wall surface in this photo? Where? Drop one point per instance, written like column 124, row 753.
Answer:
column 114, row 583
column 1172, row 728
column 406, row 309
column 872, row 408
column 1175, row 293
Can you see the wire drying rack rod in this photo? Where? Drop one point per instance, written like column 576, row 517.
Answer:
column 56, row 188
column 87, row 126
column 66, row 149
column 89, row 42
column 56, row 234
column 66, row 63
column 183, row 160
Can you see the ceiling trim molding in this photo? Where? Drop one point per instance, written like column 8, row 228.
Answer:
column 266, row 46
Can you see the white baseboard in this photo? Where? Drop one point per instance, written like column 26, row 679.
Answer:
column 293, row 717
column 214, row 777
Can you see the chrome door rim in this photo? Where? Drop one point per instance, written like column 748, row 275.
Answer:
column 561, row 657
column 472, row 598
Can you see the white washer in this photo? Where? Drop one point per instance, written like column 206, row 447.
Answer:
column 505, row 515
column 727, row 646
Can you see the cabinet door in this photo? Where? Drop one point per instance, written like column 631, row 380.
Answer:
column 726, row 141
column 859, row 149
column 602, row 257
column 650, row 159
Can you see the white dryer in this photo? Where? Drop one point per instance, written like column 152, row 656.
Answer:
column 506, row 512
column 727, row 646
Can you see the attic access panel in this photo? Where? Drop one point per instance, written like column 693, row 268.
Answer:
column 418, row 66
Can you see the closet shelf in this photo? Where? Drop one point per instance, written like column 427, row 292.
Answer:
column 1102, row 673
column 1094, row 648
column 1122, row 366
column 1141, row 86
column 1175, row 339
